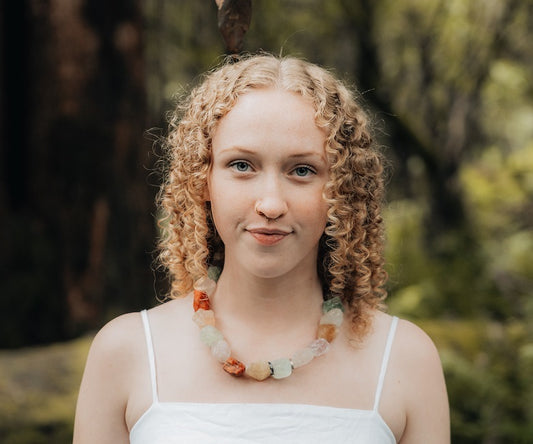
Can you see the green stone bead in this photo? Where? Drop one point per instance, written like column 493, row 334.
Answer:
column 332, row 303
column 213, row 273
column 209, row 335
column 282, row 368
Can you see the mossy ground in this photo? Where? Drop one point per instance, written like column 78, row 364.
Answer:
column 38, row 392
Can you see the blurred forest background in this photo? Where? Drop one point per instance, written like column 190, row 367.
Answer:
column 85, row 87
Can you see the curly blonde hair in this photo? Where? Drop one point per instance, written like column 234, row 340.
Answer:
column 351, row 262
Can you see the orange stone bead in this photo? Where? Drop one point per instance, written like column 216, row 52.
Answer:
column 327, row 332
column 234, row 367
column 201, row 300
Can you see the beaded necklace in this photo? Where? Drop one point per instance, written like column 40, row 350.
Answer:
column 204, row 317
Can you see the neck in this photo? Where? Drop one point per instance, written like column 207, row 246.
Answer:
column 265, row 302
column 249, row 342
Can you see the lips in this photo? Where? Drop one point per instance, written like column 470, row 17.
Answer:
column 268, row 236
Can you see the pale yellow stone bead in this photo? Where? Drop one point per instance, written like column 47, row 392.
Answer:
column 258, row 370
column 206, row 285
column 204, row 317
column 335, row 316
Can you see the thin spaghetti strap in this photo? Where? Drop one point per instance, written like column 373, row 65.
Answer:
column 151, row 357
column 385, row 362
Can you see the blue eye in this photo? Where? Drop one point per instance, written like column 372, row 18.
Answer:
column 240, row 166
column 303, row 171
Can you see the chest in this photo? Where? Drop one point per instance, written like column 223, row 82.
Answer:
column 343, row 378
column 183, row 371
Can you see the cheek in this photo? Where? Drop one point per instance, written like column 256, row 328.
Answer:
column 227, row 210
column 314, row 210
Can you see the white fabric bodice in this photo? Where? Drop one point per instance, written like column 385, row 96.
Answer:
column 235, row 423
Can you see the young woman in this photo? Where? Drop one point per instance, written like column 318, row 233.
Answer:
column 274, row 190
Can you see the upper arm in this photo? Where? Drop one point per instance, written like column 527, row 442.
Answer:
column 104, row 390
column 424, row 388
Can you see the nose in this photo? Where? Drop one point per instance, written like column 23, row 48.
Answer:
column 271, row 202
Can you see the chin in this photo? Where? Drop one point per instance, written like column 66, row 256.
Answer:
column 270, row 270
column 268, row 273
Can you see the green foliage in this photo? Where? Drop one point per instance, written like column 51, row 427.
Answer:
column 409, row 269
column 507, row 104
column 499, row 189
column 423, row 284
column 488, row 364
column 489, row 379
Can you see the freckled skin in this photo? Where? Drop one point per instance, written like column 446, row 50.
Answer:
column 268, row 173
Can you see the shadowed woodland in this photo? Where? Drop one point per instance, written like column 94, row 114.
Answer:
column 85, row 88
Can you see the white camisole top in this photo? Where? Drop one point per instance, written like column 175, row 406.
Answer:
column 235, row 423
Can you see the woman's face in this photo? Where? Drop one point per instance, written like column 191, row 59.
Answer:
column 265, row 184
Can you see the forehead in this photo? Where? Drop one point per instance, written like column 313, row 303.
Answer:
column 270, row 116
column 275, row 96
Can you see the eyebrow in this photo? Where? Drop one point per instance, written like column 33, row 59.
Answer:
column 237, row 148
column 244, row 150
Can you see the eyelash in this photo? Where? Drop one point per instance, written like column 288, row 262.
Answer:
column 235, row 164
column 242, row 163
column 307, row 168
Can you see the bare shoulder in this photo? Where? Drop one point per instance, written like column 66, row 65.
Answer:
column 118, row 340
column 414, row 358
column 416, row 371
column 107, row 380
column 415, row 345
column 114, row 349
column 119, row 329
column 412, row 349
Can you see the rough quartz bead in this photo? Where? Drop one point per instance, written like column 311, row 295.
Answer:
column 209, row 335
column 302, row 357
column 203, row 317
column 282, row 368
column 327, row 332
column 205, row 285
column 221, row 351
column 334, row 316
column 259, row 370
column 332, row 303
column 319, row 346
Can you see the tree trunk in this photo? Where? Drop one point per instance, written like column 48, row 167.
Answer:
column 78, row 231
